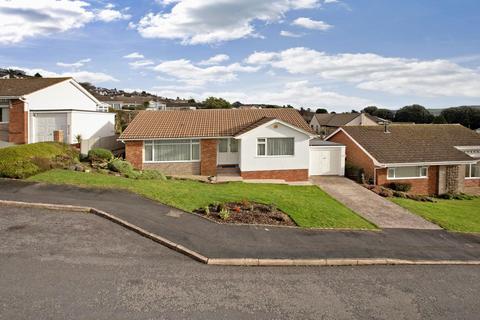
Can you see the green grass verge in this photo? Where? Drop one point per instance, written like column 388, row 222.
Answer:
column 454, row 215
column 309, row 206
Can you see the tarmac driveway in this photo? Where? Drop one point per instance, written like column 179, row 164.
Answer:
column 380, row 211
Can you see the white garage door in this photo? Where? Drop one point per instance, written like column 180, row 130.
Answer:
column 46, row 123
column 325, row 161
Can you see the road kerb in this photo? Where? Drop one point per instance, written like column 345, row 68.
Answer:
column 48, row 206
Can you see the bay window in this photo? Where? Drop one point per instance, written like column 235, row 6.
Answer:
column 472, row 170
column 407, row 172
column 181, row 150
column 275, row 146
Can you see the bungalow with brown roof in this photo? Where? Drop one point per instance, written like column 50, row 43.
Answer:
column 258, row 143
column 433, row 158
column 326, row 123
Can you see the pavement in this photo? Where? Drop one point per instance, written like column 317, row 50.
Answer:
column 383, row 213
column 63, row 265
column 242, row 241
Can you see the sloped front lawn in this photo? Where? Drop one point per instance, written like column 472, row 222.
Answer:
column 454, row 215
column 308, row 206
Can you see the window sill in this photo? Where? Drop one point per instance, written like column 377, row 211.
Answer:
column 407, row 178
column 472, row 178
column 261, row 157
column 179, row 161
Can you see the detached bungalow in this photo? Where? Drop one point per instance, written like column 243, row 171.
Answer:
column 32, row 109
column 258, row 143
column 326, row 123
column 433, row 158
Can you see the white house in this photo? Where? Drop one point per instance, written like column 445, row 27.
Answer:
column 273, row 143
column 32, row 109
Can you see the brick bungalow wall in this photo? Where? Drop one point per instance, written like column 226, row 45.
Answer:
column 287, row 175
column 175, row 168
column 472, row 182
column 134, row 153
column 423, row 186
column 208, row 158
column 18, row 123
column 355, row 155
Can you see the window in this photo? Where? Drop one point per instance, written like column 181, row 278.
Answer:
column 4, row 113
column 172, row 150
column 472, row 170
column 407, row 172
column 227, row 145
column 275, row 146
column 233, row 145
column 223, row 145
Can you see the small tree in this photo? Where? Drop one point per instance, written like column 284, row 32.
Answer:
column 371, row 110
column 38, row 75
column 216, row 103
column 414, row 113
column 439, row 120
column 321, row 110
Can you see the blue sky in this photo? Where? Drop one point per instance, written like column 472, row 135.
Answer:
column 339, row 54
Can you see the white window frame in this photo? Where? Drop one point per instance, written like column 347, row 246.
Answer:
column 5, row 104
column 265, row 142
column 192, row 142
column 470, row 177
column 407, row 178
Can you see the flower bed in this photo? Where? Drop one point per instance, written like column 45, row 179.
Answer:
column 246, row 212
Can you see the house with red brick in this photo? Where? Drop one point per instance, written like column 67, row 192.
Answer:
column 33, row 109
column 256, row 143
column 433, row 158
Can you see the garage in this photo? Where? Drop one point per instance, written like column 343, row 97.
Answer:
column 326, row 158
column 44, row 124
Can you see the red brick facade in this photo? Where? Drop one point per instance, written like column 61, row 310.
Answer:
column 355, row 155
column 18, row 123
column 208, row 158
column 287, row 175
column 134, row 153
column 472, row 182
column 424, row 186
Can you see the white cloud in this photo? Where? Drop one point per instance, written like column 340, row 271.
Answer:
column 296, row 93
column 78, row 64
column 23, row 19
column 289, row 34
column 211, row 21
column 141, row 64
column 134, row 55
column 20, row 19
column 312, row 24
column 82, row 76
column 219, row 58
column 184, row 71
column 399, row 76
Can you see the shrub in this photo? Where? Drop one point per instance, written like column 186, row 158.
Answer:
column 22, row 161
column 224, row 214
column 152, row 175
column 353, row 172
column 398, row 186
column 120, row 166
column 457, row 196
column 100, row 154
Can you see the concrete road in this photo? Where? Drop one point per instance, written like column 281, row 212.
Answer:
column 56, row 265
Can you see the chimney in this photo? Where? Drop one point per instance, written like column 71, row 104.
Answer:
column 385, row 126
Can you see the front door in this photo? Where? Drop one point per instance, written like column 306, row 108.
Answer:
column 227, row 152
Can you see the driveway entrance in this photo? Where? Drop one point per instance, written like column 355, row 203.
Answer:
column 374, row 208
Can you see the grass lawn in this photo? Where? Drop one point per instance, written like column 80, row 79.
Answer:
column 309, row 206
column 454, row 215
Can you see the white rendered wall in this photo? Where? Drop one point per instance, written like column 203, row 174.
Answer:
column 63, row 95
column 91, row 125
column 249, row 161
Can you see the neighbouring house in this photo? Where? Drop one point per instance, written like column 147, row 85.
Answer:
column 133, row 102
column 326, row 123
column 48, row 109
column 433, row 158
column 257, row 143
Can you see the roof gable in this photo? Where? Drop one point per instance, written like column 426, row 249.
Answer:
column 207, row 123
column 414, row 143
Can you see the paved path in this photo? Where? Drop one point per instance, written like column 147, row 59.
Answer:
column 231, row 241
column 380, row 211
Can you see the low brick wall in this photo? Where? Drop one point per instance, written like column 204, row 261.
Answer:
column 472, row 182
column 175, row 168
column 287, row 175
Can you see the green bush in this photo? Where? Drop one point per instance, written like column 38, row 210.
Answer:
column 120, row 166
column 100, row 154
column 22, row 161
column 152, row 175
column 399, row 186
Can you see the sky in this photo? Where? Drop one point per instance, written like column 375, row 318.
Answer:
column 334, row 54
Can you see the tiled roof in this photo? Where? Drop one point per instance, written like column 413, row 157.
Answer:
column 20, row 87
column 205, row 123
column 340, row 119
column 415, row 143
